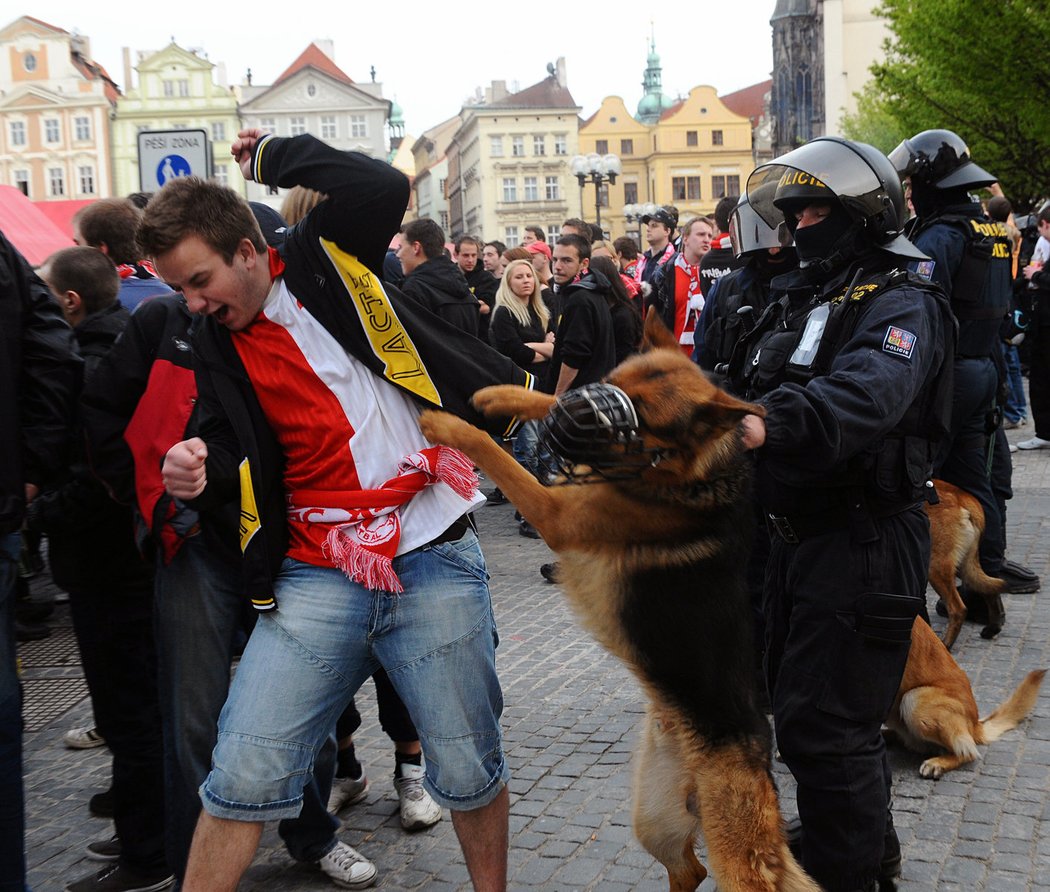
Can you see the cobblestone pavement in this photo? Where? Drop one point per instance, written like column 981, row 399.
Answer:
column 570, row 725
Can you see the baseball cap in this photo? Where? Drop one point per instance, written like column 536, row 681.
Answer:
column 270, row 222
column 660, row 216
column 539, row 248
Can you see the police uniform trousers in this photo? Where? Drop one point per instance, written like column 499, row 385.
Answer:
column 964, row 457
column 839, row 613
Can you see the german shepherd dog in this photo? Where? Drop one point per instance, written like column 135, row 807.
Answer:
column 956, row 526
column 654, row 565
column 935, row 709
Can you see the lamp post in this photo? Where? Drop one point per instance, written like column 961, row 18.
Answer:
column 633, row 212
column 599, row 170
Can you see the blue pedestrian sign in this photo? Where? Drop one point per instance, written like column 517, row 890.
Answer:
column 165, row 155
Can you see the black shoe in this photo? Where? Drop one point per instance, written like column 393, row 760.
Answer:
column 31, row 631
column 105, row 849
column 976, row 609
column 496, row 497
column 1020, row 580
column 550, row 572
column 529, row 531
column 31, row 612
column 115, row 878
column 101, row 804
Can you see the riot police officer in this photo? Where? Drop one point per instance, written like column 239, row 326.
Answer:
column 850, row 361
column 970, row 258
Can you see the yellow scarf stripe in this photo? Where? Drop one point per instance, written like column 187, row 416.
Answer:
column 250, row 523
column 390, row 342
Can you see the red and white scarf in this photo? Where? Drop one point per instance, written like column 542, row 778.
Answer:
column 694, row 298
column 367, row 528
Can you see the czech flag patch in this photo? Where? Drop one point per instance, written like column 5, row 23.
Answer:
column 898, row 342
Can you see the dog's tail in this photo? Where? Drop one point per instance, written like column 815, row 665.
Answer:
column 970, row 571
column 1014, row 710
column 795, row 879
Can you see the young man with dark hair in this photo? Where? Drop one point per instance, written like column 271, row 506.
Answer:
column 659, row 226
column 576, row 226
column 677, row 293
column 83, row 281
column 533, row 234
column 490, row 256
column 432, row 280
column 584, row 350
column 110, row 225
column 311, row 379
column 482, row 285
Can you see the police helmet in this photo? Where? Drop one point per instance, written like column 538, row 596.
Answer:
column 940, row 159
column 858, row 176
column 750, row 234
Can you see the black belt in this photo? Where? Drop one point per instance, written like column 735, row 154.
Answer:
column 794, row 529
column 454, row 532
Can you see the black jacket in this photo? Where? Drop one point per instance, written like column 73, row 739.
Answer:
column 585, row 332
column 509, row 336
column 439, row 285
column 332, row 260
column 483, row 285
column 39, row 377
column 716, row 263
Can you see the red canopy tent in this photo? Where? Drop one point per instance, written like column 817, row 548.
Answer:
column 28, row 227
column 61, row 212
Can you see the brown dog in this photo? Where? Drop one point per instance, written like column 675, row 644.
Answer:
column 935, row 709
column 653, row 563
column 956, row 526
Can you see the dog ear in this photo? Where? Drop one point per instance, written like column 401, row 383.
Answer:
column 656, row 335
column 722, row 411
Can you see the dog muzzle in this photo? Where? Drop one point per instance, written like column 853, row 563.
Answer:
column 591, row 435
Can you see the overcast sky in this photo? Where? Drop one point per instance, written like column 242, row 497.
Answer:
column 430, row 57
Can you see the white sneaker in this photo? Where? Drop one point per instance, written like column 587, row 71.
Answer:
column 418, row 810
column 1034, row 443
column 348, row 868
column 83, row 738
column 346, row 791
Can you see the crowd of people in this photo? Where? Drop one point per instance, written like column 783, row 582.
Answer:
column 213, row 413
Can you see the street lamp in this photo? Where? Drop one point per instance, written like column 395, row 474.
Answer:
column 599, row 170
column 633, row 212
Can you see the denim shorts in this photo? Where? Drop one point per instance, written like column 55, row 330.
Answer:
column 437, row 642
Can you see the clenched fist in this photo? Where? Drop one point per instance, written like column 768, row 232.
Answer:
column 183, row 471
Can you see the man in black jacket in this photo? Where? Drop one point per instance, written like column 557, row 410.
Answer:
column 39, row 376
column 483, row 285
column 310, row 379
column 434, row 281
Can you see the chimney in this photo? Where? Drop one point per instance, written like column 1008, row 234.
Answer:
column 562, row 80
column 127, row 69
column 496, row 92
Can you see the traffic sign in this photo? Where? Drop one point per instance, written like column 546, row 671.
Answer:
column 167, row 154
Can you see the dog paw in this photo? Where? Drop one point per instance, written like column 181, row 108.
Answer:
column 509, row 399
column 444, row 428
column 931, row 770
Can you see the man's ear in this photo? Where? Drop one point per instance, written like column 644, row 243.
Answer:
column 71, row 302
column 104, row 248
column 585, row 265
column 247, row 251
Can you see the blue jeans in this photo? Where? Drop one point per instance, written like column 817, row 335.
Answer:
column 436, row 641
column 12, row 803
column 1016, row 408
column 526, row 447
column 199, row 612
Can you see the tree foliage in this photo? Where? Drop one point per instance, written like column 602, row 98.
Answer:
column 974, row 67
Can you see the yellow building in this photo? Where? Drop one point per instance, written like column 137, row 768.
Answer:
column 177, row 89
column 55, row 106
column 696, row 152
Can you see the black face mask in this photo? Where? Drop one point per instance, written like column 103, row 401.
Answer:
column 820, row 241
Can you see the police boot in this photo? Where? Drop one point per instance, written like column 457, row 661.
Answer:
column 1019, row 579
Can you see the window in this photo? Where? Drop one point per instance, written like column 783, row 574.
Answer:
column 268, row 124
column 57, row 180
column 184, row 88
column 553, row 189
column 18, row 133
column 532, row 189
column 82, row 127
column 716, row 137
column 685, row 188
column 86, row 176
column 723, row 186
column 626, row 146
column 539, row 145
column 601, row 146
column 510, row 189
column 22, row 182
column 630, row 193
column 561, row 144
column 553, row 232
column 218, row 131
column 496, row 146
column 221, row 174
column 297, row 126
column 51, row 130
column 329, row 130
column 311, row 90
column 443, row 187
column 29, row 61
column 517, row 146
column 444, row 220
column 510, row 237
column 358, row 126
column 169, row 88
column 690, row 138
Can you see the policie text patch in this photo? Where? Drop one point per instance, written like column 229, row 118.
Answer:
column 898, row 342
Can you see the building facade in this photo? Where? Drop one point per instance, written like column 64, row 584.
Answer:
column 508, row 162
column 430, row 156
column 177, row 89
column 55, row 107
column 313, row 95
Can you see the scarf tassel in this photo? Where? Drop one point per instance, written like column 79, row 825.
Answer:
column 457, row 471
column 369, row 568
